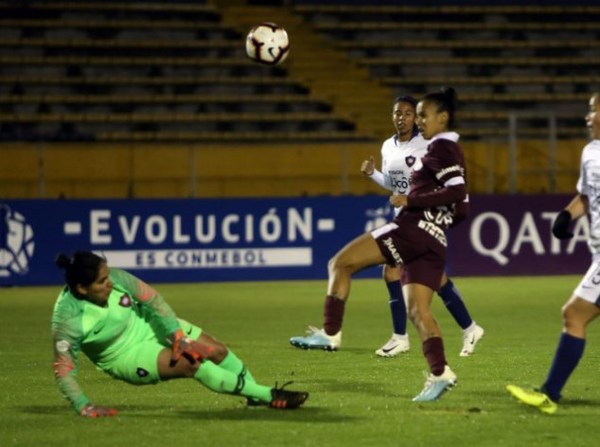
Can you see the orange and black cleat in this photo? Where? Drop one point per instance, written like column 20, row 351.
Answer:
column 285, row 399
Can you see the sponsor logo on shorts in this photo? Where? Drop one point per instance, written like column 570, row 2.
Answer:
column 434, row 230
column 390, row 246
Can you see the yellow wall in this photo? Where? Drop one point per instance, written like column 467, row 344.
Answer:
column 94, row 170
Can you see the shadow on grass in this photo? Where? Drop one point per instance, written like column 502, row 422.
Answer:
column 46, row 409
column 307, row 414
column 579, row 403
column 358, row 387
column 243, row 413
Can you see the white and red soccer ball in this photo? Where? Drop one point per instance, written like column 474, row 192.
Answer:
column 267, row 43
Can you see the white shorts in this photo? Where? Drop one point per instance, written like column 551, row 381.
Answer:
column 589, row 287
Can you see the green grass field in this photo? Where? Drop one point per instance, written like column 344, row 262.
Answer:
column 356, row 398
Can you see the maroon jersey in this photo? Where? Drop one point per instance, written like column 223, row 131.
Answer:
column 437, row 186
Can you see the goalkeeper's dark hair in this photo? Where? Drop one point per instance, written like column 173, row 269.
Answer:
column 446, row 100
column 80, row 268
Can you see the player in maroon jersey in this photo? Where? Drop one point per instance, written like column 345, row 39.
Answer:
column 415, row 239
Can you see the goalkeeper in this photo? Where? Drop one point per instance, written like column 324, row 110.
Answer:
column 127, row 329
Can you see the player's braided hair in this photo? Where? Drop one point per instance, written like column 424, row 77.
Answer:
column 80, row 268
column 445, row 100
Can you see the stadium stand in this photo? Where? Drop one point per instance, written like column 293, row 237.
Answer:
column 502, row 58
column 92, row 71
column 166, row 90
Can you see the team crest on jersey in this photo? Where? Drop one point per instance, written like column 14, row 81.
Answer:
column 125, row 301
column 410, row 160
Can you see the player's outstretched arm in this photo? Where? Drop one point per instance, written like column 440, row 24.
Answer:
column 66, row 336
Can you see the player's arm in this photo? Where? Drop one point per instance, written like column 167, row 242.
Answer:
column 368, row 169
column 578, row 207
column 66, row 350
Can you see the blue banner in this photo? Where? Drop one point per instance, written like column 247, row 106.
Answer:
column 268, row 239
column 184, row 240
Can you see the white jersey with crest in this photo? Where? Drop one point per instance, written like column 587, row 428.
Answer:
column 589, row 185
column 397, row 161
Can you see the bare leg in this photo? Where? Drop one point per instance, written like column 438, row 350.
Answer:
column 444, row 280
column 360, row 253
column 391, row 273
column 577, row 314
column 419, row 310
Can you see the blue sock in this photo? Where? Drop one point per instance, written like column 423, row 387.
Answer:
column 397, row 307
column 566, row 358
column 455, row 304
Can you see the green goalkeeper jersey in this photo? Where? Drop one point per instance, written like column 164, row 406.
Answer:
column 134, row 312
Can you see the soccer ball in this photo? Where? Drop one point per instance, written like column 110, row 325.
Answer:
column 268, row 44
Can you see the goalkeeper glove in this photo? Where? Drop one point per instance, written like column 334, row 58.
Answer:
column 182, row 346
column 94, row 411
column 560, row 227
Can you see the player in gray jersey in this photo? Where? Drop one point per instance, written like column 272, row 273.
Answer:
column 584, row 304
column 399, row 154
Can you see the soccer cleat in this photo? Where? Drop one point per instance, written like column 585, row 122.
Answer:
column 534, row 398
column 318, row 339
column 395, row 345
column 435, row 386
column 470, row 340
column 286, row 400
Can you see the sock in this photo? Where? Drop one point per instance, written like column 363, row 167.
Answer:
column 566, row 358
column 233, row 364
column 397, row 307
column 455, row 304
column 220, row 380
column 433, row 348
column 333, row 315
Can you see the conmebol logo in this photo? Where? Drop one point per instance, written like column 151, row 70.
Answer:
column 16, row 242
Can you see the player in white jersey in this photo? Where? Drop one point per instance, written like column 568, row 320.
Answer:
column 399, row 154
column 584, row 304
